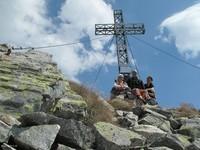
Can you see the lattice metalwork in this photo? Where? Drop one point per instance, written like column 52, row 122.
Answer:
column 120, row 30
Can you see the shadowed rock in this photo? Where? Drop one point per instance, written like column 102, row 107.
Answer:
column 73, row 133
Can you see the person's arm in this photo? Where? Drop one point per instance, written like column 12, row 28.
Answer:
column 152, row 93
column 126, row 85
column 117, row 86
column 150, row 89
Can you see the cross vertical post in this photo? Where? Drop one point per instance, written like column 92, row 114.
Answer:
column 120, row 30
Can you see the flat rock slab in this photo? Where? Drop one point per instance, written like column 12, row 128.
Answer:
column 111, row 137
column 163, row 112
column 151, row 133
column 161, row 123
column 36, row 137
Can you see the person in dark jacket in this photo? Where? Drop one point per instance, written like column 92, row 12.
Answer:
column 134, row 82
column 137, row 86
column 149, row 87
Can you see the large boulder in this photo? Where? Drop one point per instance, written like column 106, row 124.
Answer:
column 4, row 132
column 72, row 133
column 35, row 137
column 151, row 133
column 111, row 137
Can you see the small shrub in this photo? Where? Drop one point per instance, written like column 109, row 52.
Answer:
column 97, row 109
column 120, row 104
column 186, row 110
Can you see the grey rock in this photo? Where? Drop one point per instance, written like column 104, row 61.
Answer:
column 25, row 77
column 4, row 47
column 159, row 148
column 110, row 137
column 4, row 132
column 139, row 111
column 35, row 137
column 149, row 111
column 170, row 141
column 9, row 120
column 15, row 102
column 194, row 146
column 127, row 119
column 36, row 118
column 194, row 122
column 190, row 127
column 163, row 112
column 71, row 108
column 5, row 146
column 161, row 123
column 151, row 133
column 72, row 132
column 63, row 147
column 174, row 123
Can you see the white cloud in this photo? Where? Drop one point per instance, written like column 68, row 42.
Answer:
column 183, row 28
column 26, row 23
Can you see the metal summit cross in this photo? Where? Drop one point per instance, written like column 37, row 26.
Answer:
column 120, row 30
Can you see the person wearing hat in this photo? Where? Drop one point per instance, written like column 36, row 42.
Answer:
column 119, row 87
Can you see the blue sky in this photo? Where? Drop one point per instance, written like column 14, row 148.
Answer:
column 175, row 82
column 172, row 25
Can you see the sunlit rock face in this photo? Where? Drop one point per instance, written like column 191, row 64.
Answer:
column 30, row 81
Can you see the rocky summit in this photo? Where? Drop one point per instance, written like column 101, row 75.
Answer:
column 40, row 111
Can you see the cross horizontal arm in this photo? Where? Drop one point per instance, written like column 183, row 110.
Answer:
column 111, row 29
column 104, row 29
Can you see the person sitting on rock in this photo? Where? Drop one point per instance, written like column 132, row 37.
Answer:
column 120, row 87
column 137, row 86
column 149, row 87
